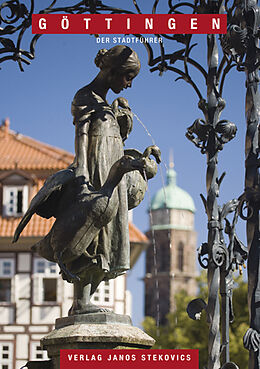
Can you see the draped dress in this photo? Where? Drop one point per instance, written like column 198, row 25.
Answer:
column 95, row 118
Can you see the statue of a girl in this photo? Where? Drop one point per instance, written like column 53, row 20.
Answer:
column 99, row 145
column 90, row 238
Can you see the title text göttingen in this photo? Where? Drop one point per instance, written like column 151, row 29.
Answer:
column 127, row 24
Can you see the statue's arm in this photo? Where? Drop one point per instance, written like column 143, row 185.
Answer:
column 82, row 112
column 81, row 147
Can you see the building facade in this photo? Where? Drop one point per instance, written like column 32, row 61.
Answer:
column 32, row 293
column 171, row 258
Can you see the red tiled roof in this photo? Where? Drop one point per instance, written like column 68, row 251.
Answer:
column 25, row 153
column 37, row 227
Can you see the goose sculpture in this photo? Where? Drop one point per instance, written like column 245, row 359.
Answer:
column 81, row 213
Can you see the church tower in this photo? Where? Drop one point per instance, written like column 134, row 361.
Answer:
column 171, row 257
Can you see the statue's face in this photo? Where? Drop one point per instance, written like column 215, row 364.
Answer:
column 122, row 80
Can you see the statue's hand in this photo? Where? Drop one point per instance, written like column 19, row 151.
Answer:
column 120, row 102
column 125, row 121
column 124, row 116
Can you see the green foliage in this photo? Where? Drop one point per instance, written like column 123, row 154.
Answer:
column 181, row 332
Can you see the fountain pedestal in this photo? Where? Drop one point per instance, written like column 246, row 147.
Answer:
column 105, row 330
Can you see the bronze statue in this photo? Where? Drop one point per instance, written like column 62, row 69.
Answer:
column 90, row 199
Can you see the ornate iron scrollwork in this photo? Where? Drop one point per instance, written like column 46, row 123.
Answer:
column 251, row 342
column 224, row 131
column 241, row 45
column 202, row 251
column 16, row 19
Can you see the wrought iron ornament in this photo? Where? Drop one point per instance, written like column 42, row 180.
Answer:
column 210, row 135
column 16, row 19
column 241, row 46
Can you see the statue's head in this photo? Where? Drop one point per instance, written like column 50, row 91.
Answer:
column 120, row 64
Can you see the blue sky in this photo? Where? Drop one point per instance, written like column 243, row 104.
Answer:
column 38, row 101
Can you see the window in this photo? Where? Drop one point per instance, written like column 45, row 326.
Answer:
column 6, row 355
column 49, row 289
column 37, row 353
column 5, row 290
column 164, row 257
column 180, row 260
column 104, row 295
column 15, row 200
column 106, row 292
column 6, row 275
column 45, row 281
column 7, row 267
column 40, row 267
column 46, row 267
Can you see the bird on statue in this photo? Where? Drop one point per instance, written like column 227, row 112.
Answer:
column 80, row 211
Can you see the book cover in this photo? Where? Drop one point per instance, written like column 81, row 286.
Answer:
column 166, row 99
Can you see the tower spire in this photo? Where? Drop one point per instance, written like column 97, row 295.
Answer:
column 171, row 174
column 171, row 161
